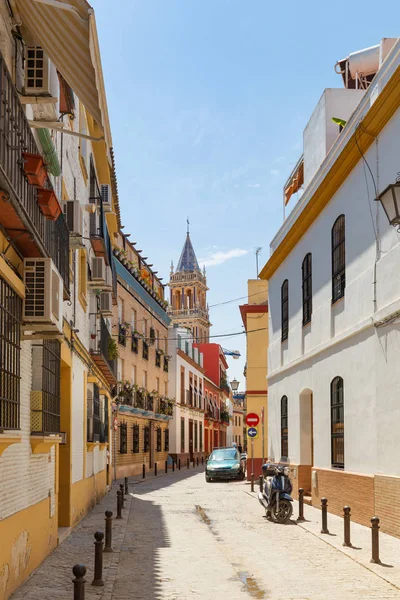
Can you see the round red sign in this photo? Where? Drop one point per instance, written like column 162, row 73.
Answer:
column 252, row 420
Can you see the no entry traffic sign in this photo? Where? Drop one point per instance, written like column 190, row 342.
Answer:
column 252, row 432
column 252, row 420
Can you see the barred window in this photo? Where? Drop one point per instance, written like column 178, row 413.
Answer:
column 146, row 439
column 338, row 259
column 166, row 365
column 307, row 288
column 105, row 424
column 134, row 344
column 285, row 309
column 159, row 443
column 145, row 351
column 166, row 440
column 10, row 323
column 284, row 428
column 123, row 438
column 135, row 440
column 96, row 414
column 337, row 422
column 45, row 397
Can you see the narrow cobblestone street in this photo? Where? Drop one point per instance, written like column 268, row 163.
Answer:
column 182, row 538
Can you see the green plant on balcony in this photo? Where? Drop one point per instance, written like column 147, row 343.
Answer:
column 112, row 349
column 224, row 416
column 224, row 384
column 141, row 397
column 126, row 392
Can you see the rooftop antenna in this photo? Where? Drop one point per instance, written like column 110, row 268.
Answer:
column 258, row 250
column 188, row 224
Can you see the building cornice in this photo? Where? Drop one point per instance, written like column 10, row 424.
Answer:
column 366, row 122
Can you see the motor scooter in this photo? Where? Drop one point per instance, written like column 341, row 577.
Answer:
column 276, row 496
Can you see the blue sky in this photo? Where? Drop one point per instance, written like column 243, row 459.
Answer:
column 208, row 101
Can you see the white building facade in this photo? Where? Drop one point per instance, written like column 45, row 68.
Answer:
column 334, row 302
column 186, row 385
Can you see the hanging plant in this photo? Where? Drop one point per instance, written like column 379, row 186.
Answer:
column 112, row 349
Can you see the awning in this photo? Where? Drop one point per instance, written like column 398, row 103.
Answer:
column 67, row 33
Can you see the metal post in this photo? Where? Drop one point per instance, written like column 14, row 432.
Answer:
column 144, row 471
column 260, row 482
column 301, row 505
column 166, row 466
column 252, row 482
column 202, row 460
column 79, row 582
column 155, row 469
column 121, row 487
column 119, row 504
column 126, row 485
column 324, row 507
column 188, row 463
column 197, row 461
column 109, row 520
column 179, row 464
column 252, row 455
column 98, row 559
column 346, row 521
column 375, row 540
column 173, row 466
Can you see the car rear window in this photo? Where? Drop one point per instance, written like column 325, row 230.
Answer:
column 224, row 454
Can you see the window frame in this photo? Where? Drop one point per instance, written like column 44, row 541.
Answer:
column 337, row 419
column 284, row 428
column 136, row 438
column 166, row 439
column 306, row 280
column 285, row 310
column 338, row 250
column 123, row 438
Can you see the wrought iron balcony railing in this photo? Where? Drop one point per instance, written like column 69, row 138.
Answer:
column 100, row 346
column 20, row 214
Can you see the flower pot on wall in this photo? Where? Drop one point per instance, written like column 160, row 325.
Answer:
column 48, row 203
column 34, row 168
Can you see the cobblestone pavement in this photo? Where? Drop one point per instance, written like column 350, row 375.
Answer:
column 182, row 538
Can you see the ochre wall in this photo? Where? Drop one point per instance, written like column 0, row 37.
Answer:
column 85, row 493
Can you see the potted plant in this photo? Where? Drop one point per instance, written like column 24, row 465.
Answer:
column 34, row 168
column 48, row 203
column 112, row 349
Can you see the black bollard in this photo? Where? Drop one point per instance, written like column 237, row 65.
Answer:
column 126, row 486
column 121, row 487
column 346, row 522
column 166, row 466
column 260, row 483
column 98, row 559
column 179, row 464
column 375, row 540
column 173, row 466
column 109, row 520
column 155, row 468
column 194, row 462
column 79, row 582
column 144, row 471
column 119, row 504
column 197, row 461
column 301, row 505
column 188, row 463
column 324, row 507
column 252, row 482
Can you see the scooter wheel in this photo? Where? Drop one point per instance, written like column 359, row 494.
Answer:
column 284, row 513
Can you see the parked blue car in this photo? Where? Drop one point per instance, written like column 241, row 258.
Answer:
column 224, row 463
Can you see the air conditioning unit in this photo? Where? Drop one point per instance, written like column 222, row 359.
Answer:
column 74, row 218
column 43, row 302
column 106, row 197
column 106, row 304
column 98, row 273
column 40, row 79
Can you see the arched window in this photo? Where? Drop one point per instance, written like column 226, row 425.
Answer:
column 285, row 309
column 337, row 423
column 338, row 259
column 284, row 428
column 307, row 288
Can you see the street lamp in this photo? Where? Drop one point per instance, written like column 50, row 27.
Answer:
column 390, row 200
column 235, row 385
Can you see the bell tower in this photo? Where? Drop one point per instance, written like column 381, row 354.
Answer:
column 188, row 294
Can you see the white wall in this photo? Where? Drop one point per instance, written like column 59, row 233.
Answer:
column 341, row 339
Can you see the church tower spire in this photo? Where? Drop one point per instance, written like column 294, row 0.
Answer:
column 188, row 293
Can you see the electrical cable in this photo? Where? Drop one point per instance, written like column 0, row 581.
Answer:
column 219, row 335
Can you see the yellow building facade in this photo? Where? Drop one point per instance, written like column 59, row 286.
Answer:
column 255, row 320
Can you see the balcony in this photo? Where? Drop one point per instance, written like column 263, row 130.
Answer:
column 100, row 343
column 189, row 312
column 224, row 417
column 29, row 231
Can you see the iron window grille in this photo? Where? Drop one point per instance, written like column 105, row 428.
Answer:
column 158, row 359
column 123, row 438
column 146, row 439
column 145, row 351
column 338, row 259
column 104, row 425
column 166, row 440
column 182, row 434
column 10, row 324
column 166, row 366
column 284, row 428
column 285, row 309
column 135, row 440
column 306, row 271
column 96, row 414
column 159, row 443
column 135, row 344
column 45, row 397
column 121, row 335
column 337, row 423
